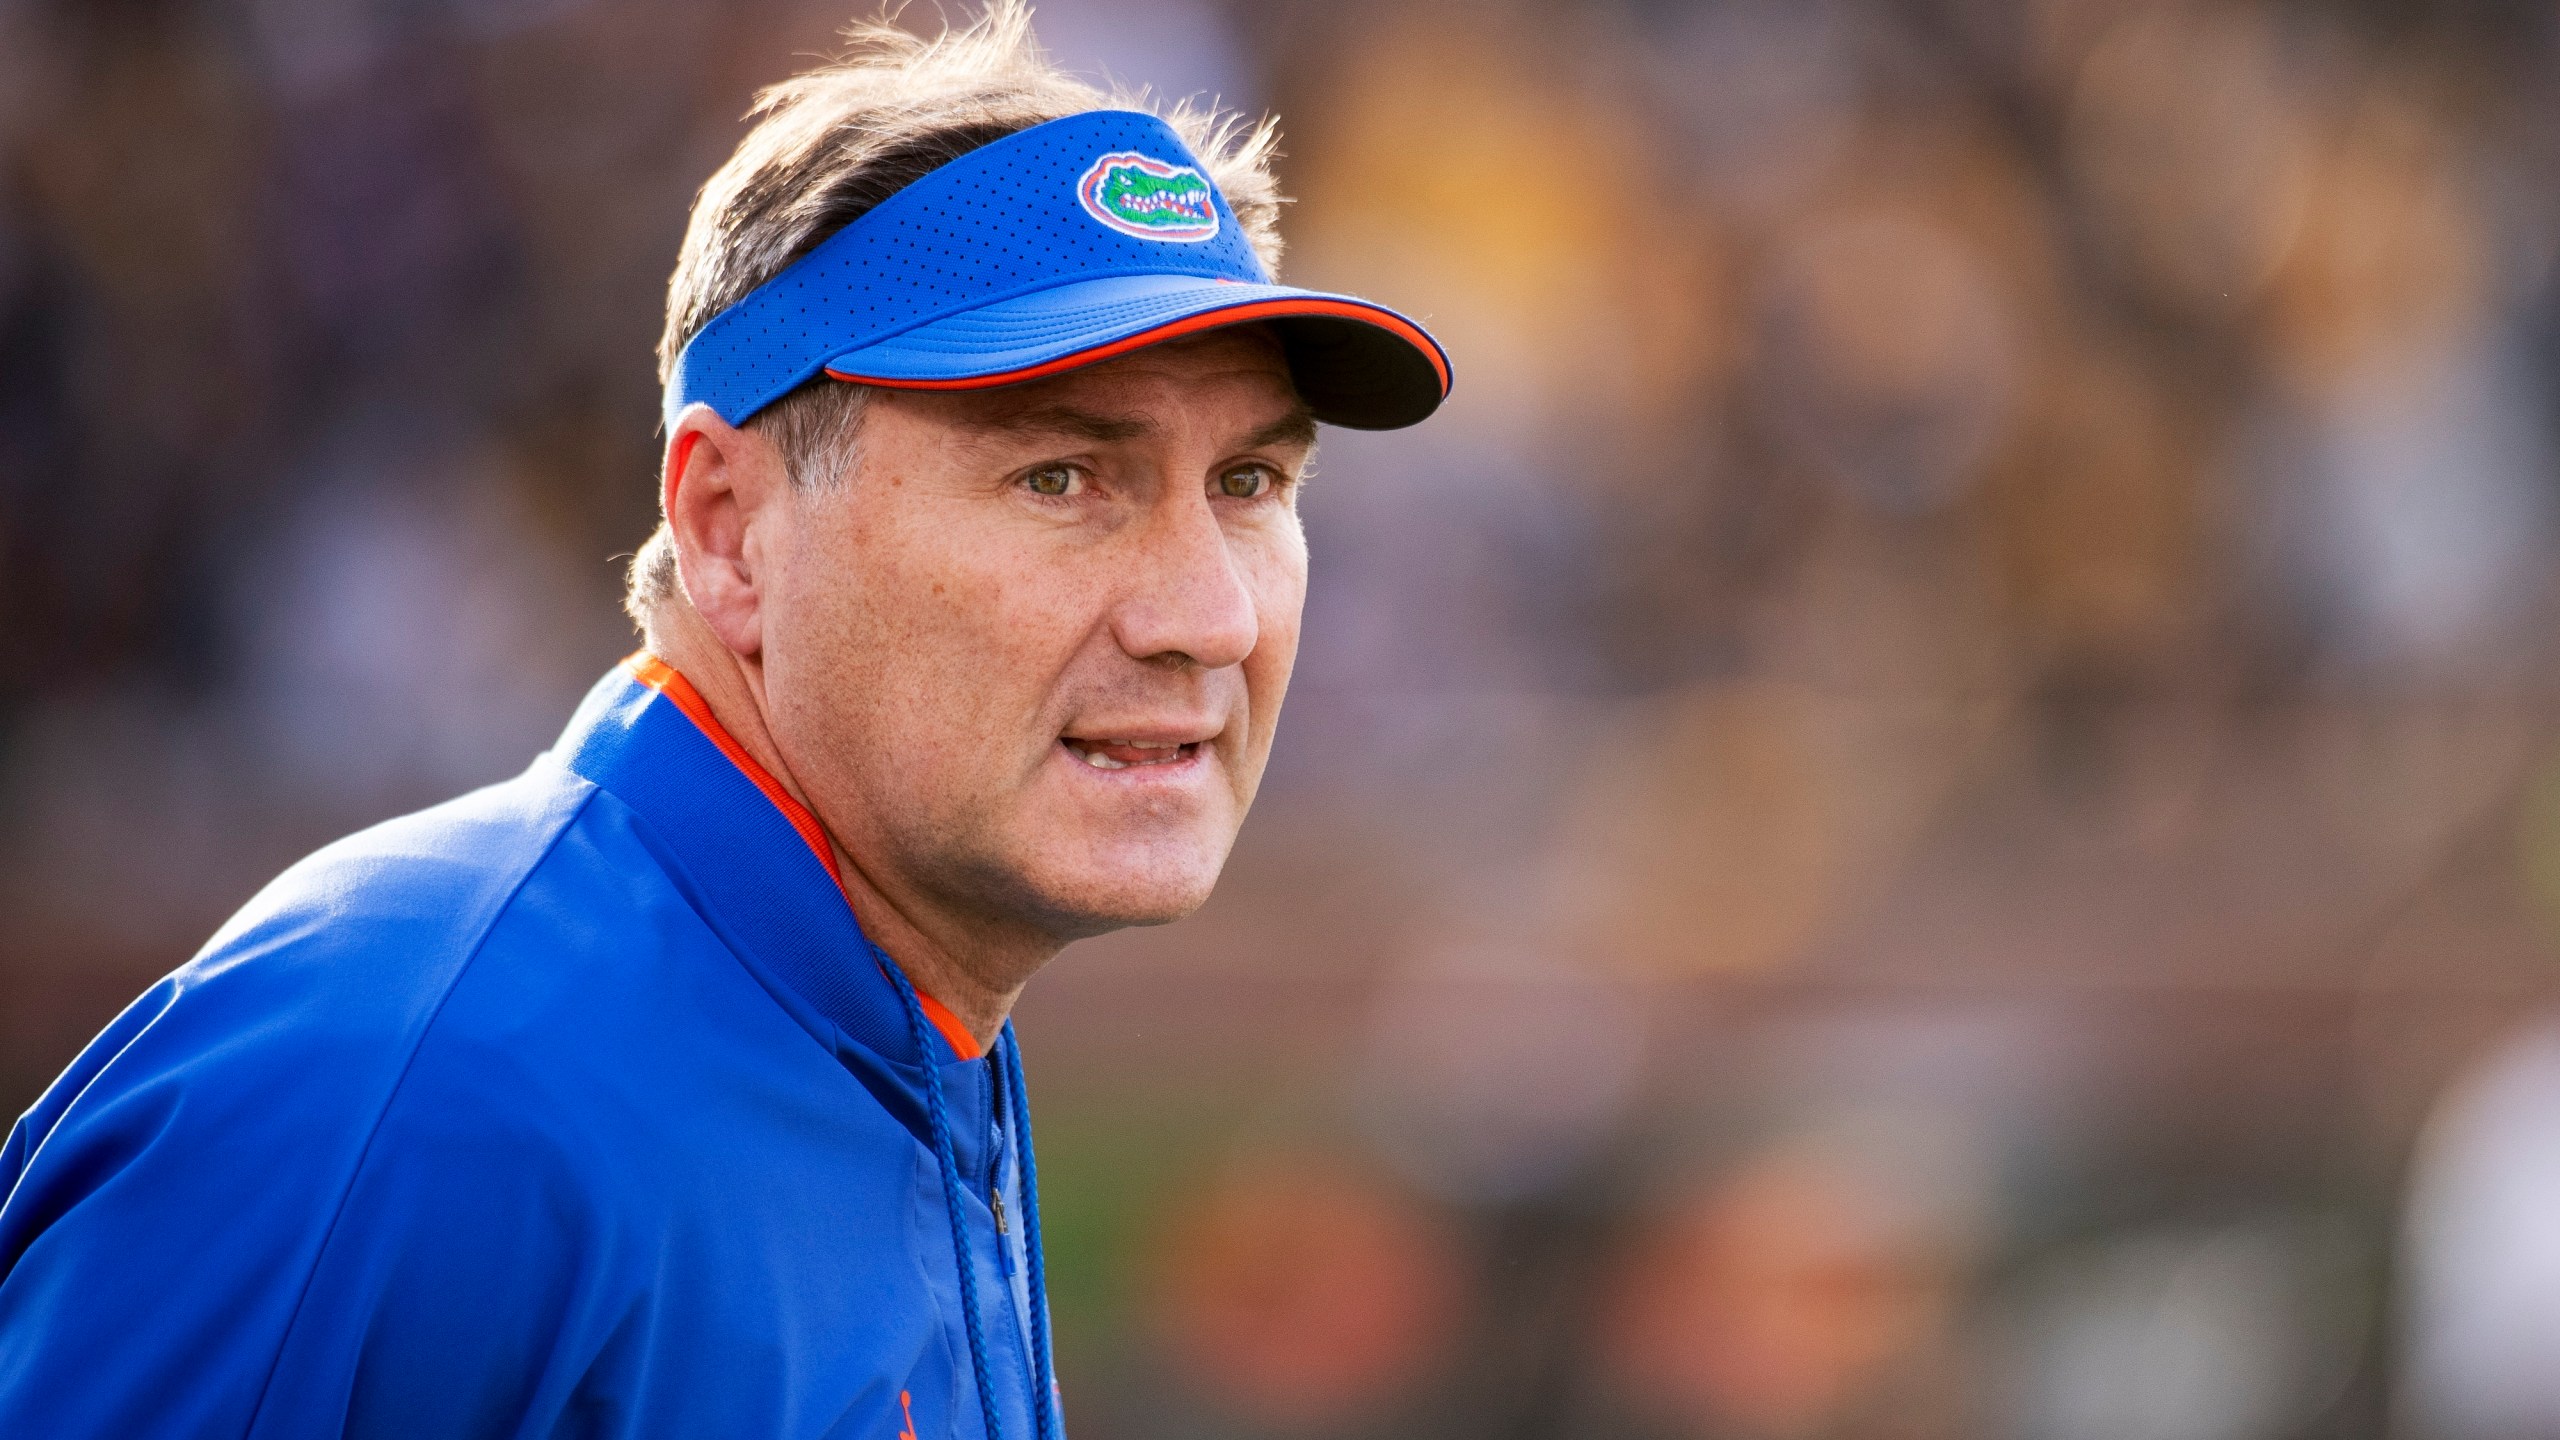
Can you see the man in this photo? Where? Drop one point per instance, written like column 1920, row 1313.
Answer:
column 666, row 1090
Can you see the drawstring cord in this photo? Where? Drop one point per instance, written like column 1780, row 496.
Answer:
column 951, row 1198
column 1044, row 1366
column 1017, row 1099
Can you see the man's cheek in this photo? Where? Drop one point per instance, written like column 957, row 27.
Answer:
column 1276, row 572
column 1279, row 612
column 976, row 587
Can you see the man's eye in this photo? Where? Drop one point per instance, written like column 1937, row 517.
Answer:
column 1244, row 482
column 1052, row 480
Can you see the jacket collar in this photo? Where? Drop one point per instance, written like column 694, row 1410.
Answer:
column 757, row 861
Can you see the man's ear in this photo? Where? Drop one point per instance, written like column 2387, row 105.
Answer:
column 722, row 493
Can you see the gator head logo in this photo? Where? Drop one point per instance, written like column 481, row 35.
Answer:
column 1142, row 196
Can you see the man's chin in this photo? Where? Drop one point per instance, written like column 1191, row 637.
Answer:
column 1122, row 889
column 1085, row 911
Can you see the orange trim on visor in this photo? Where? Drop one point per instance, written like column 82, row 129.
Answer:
column 1188, row 324
column 658, row 675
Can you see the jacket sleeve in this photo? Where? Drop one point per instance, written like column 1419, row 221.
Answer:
column 166, row 1205
column 163, row 1205
column 475, row 1280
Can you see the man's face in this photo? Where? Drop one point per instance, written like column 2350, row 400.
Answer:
column 1027, row 660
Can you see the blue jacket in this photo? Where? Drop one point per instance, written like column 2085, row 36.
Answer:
column 575, row 1106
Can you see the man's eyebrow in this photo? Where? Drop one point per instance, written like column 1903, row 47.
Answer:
column 1054, row 419
column 1298, row 427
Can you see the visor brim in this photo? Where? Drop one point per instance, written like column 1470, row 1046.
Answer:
column 1356, row 364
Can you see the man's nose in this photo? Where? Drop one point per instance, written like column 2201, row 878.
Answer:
column 1185, row 600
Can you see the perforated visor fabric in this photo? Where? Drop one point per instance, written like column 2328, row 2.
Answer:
column 1003, row 265
column 1356, row 364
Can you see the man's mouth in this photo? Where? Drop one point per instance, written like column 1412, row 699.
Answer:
column 1127, row 754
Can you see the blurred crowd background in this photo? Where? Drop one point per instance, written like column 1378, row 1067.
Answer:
column 1930, row 809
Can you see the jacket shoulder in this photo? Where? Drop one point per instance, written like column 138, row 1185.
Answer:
column 213, row 1130
column 406, row 891
column 338, row 961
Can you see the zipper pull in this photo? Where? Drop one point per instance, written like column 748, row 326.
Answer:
column 1004, row 1246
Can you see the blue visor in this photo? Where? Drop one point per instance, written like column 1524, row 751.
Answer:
column 1060, row 246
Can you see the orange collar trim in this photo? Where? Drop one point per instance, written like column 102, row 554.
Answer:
column 658, row 675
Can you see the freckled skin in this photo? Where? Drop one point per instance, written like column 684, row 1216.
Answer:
column 910, row 645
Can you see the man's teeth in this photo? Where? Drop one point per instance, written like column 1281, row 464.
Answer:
column 1161, row 751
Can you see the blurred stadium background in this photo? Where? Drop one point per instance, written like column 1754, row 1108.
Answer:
column 1930, row 809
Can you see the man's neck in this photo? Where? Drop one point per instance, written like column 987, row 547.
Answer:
column 929, row 948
